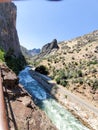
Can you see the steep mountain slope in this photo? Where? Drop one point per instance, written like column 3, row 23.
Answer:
column 75, row 65
column 9, row 42
column 34, row 51
column 29, row 53
column 25, row 52
column 46, row 50
column 8, row 34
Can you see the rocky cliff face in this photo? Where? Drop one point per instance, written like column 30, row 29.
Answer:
column 50, row 46
column 8, row 33
column 47, row 49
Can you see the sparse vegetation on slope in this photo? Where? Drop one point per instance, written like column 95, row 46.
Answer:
column 75, row 65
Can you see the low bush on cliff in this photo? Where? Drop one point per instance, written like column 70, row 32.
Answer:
column 2, row 54
column 14, row 63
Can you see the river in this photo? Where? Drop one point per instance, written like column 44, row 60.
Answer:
column 59, row 116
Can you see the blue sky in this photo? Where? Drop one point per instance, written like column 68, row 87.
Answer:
column 40, row 21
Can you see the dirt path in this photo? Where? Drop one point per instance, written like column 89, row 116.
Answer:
column 79, row 100
column 64, row 92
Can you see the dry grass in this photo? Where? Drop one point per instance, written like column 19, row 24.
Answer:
column 75, row 57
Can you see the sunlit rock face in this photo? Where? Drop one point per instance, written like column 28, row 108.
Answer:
column 8, row 33
column 50, row 46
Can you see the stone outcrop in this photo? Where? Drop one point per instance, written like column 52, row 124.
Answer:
column 46, row 50
column 50, row 46
column 9, row 77
column 8, row 34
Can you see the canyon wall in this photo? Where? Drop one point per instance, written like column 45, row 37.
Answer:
column 8, row 34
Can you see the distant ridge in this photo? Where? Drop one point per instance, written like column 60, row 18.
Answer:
column 29, row 53
column 34, row 51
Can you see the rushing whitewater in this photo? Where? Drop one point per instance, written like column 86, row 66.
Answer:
column 60, row 117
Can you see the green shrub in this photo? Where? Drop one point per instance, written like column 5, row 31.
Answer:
column 63, row 83
column 36, row 63
column 62, row 74
column 61, row 79
column 42, row 69
column 58, row 80
column 93, row 62
column 16, row 64
column 13, row 62
column 89, row 82
column 93, row 70
column 2, row 54
column 95, row 84
column 86, row 49
column 79, row 73
column 80, row 80
column 66, row 96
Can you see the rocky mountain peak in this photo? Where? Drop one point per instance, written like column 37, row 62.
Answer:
column 50, row 46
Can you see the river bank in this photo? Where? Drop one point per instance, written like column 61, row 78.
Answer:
column 78, row 109
column 22, row 113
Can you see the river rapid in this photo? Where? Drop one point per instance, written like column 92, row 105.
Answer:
column 59, row 116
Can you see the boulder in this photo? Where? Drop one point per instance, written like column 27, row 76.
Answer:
column 10, row 80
